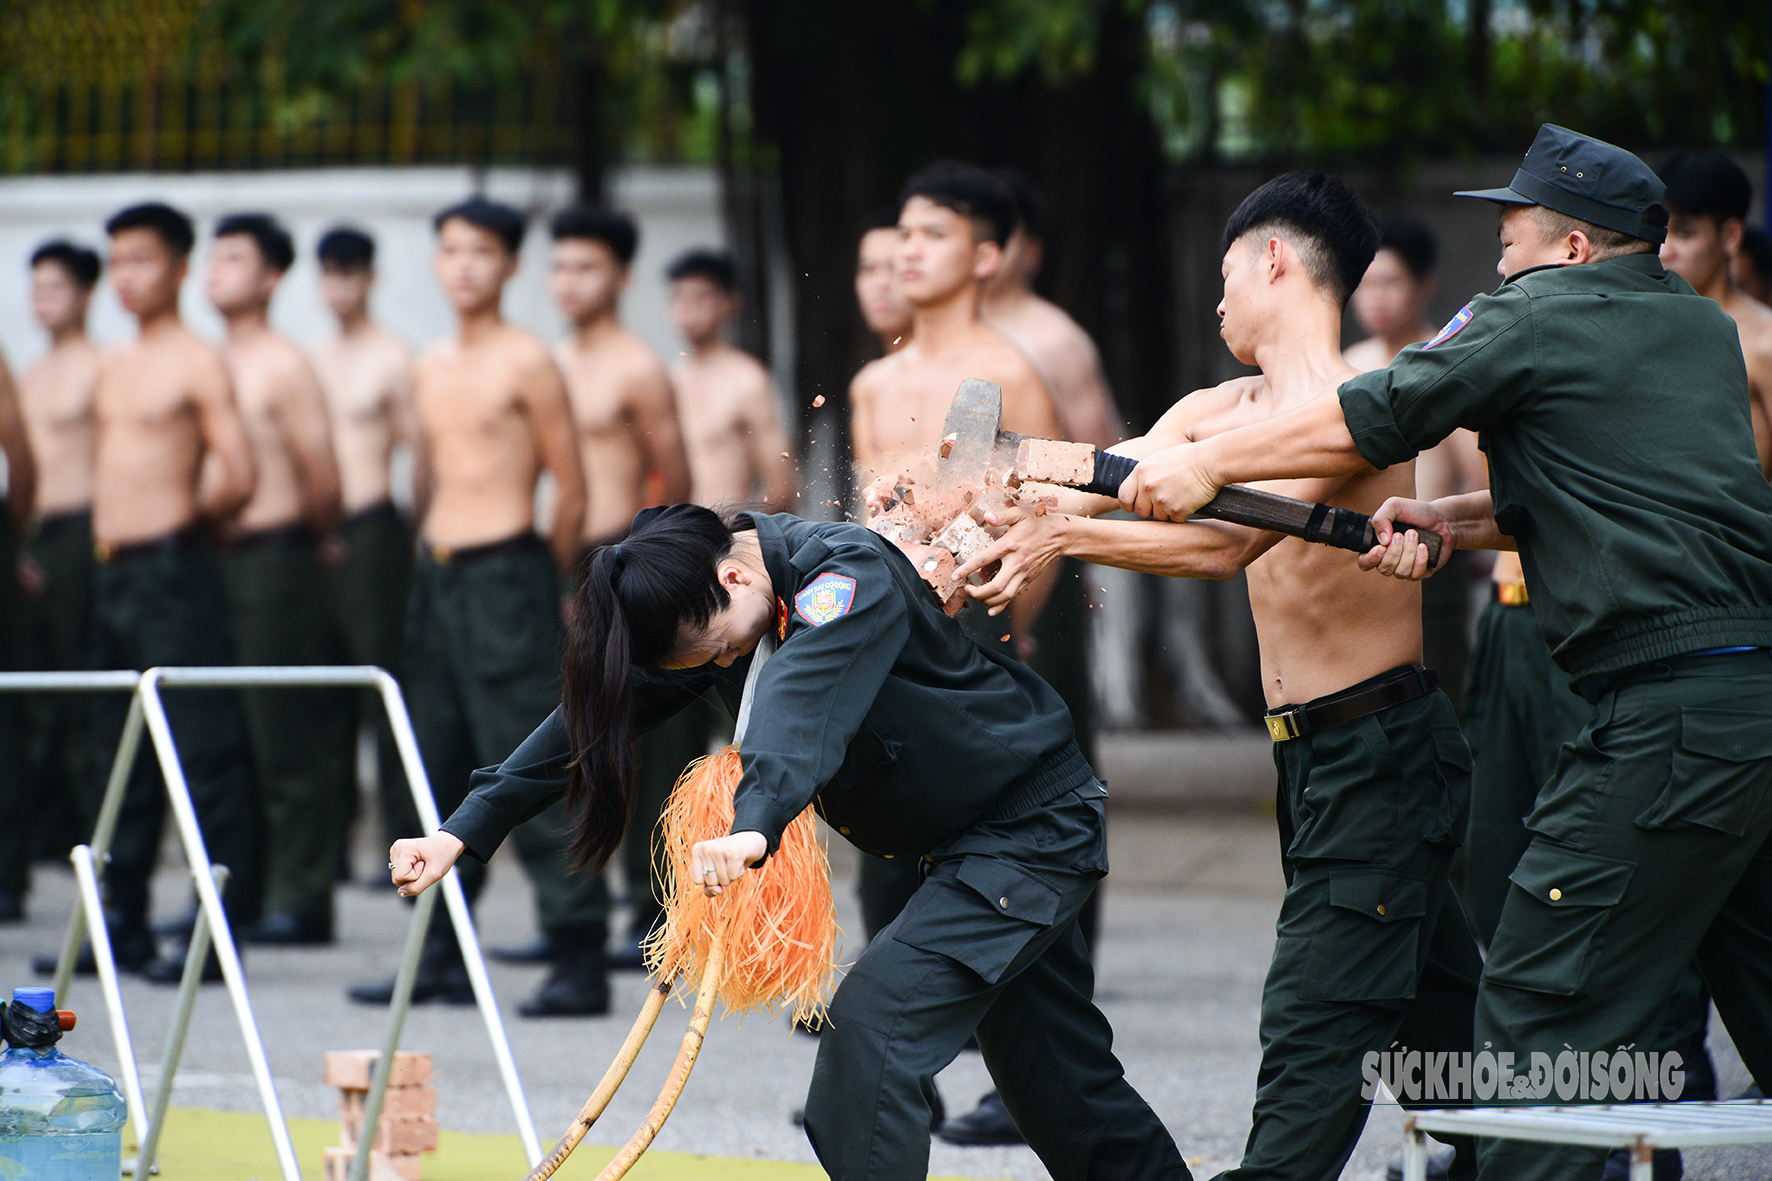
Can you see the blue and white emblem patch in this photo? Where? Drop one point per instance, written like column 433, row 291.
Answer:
column 1451, row 329
column 827, row 597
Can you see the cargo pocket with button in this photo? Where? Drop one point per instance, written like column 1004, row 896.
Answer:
column 1365, row 947
column 1574, row 894
column 938, row 919
column 1720, row 775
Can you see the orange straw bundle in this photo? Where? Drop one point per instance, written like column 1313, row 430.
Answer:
column 781, row 945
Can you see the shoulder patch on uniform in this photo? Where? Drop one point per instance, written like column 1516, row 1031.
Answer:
column 827, row 597
column 1451, row 329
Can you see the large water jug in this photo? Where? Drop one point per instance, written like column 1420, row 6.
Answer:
column 60, row 1119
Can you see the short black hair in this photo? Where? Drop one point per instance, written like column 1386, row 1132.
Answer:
column 883, row 218
column 1339, row 235
column 611, row 227
column 81, row 263
column 495, row 217
column 274, row 244
column 969, row 191
column 1756, row 244
column 1030, row 206
column 1706, row 183
column 343, row 248
column 1411, row 241
column 172, row 227
column 716, row 266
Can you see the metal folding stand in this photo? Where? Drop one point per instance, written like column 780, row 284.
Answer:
column 147, row 713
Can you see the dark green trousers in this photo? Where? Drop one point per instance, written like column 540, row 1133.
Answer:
column 56, row 624
column 166, row 605
column 989, row 942
column 1649, row 847
column 301, row 738
column 16, row 797
column 482, row 670
column 1061, row 657
column 1446, row 605
column 1518, row 714
column 368, row 592
column 1371, row 946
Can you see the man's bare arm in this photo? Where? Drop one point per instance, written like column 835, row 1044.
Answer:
column 230, row 474
column 307, row 431
column 771, row 456
column 21, row 465
column 1312, row 440
column 550, row 423
column 655, row 421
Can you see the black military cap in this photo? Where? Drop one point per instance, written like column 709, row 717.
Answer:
column 1587, row 179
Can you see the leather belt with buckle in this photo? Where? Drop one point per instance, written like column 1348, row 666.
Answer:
column 522, row 543
column 1404, row 685
column 1512, row 594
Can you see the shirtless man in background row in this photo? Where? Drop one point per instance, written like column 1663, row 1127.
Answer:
column 172, row 461
column 1707, row 201
column 1057, row 345
column 300, row 737
column 366, row 374
column 884, row 308
column 738, row 453
column 482, row 659
column 1391, row 303
column 56, row 393
column 15, row 513
column 626, row 417
column 953, row 223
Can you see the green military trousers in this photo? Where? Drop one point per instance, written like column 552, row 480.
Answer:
column 1649, row 847
column 989, row 942
column 483, row 642
column 1371, row 946
column 164, row 604
column 56, row 623
column 368, row 592
column 16, row 797
column 1518, row 714
column 301, row 738
column 663, row 752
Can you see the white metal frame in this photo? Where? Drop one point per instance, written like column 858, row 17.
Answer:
column 147, row 713
column 1639, row 1128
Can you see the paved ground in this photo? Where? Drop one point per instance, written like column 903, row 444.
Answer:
column 1188, row 930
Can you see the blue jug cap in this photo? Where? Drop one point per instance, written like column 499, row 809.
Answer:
column 40, row 999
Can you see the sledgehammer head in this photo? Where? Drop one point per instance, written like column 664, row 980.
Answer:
column 972, row 424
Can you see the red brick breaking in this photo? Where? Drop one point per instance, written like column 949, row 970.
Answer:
column 1049, row 461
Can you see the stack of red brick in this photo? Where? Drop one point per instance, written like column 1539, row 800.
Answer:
column 408, row 1124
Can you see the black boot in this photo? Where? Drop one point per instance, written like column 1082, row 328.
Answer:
column 442, row 976
column 988, row 1123
column 577, row 984
column 171, row 969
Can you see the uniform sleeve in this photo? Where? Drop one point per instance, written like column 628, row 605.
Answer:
column 536, row 774
column 1474, row 373
column 813, row 694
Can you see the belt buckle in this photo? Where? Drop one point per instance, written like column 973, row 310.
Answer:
column 441, row 555
column 104, row 551
column 1512, row 594
column 1283, row 727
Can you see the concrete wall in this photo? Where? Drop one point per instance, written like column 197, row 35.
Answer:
column 676, row 209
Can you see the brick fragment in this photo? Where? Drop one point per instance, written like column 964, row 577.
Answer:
column 335, row 1165
column 1051, row 461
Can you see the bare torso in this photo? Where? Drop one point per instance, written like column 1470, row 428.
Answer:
column 480, row 452
column 56, row 395
column 1754, row 321
column 1322, row 624
column 367, row 377
column 899, row 402
column 278, row 395
column 149, row 450
column 1065, row 358
column 731, row 433
column 612, row 381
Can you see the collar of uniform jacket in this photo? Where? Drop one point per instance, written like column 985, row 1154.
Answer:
column 1648, row 262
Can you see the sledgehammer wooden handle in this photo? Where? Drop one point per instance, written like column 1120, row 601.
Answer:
column 1339, row 527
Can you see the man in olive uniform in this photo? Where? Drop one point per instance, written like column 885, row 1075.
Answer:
column 1612, row 403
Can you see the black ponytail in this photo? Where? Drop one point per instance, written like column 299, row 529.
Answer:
column 632, row 603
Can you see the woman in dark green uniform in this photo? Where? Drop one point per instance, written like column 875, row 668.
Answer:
column 911, row 741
